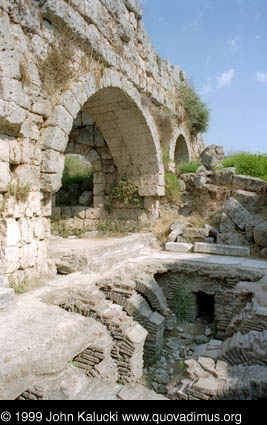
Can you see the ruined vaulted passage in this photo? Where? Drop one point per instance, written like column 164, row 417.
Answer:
column 126, row 132
column 181, row 153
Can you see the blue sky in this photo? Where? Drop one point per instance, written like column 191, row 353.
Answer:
column 222, row 46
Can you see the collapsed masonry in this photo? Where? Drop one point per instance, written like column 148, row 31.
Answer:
column 60, row 61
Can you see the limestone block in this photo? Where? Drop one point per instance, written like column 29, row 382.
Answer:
column 61, row 118
column 50, row 182
column 26, row 229
column 250, row 184
column 28, row 152
column 5, row 176
column 234, row 250
column 41, row 227
column 260, row 235
column 46, row 204
column 238, row 214
column 99, row 139
column 11, row 231
column 11, row 259
column 79, row 92
column 99, row 189
column 54, row 138
column 89, row 84
column 9, row 64
column 69, row 101
column 56, row 213
column 27, row 255
column 11, row 90
column 99, row 201
column 97, row 165
column 178, row 247
column 42, row 247
column 223, row 176
column 99, row 178
column 28, row 174
column 4, row 147
column 15, row 154
column 11, row 117
column 42, row 107
column 6, row 42
column 30, row 127
column 7, row 296
column 33, row 204
column 195, row 232
column 53, row 162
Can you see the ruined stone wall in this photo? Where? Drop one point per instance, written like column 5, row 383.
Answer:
column 58, row 58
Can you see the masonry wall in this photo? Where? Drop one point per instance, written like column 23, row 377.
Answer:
column 58, row 58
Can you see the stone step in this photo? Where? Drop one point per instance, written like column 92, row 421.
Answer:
column 179, row 247
column 218, row 249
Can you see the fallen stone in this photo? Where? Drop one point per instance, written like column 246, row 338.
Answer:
column 212, row 156
column 201, row 339
column 250, row 184
column 237, row 213
column 223, row 176
column 178, row 247
column 260, row 235
column 195, row 232
column 207, row 385
column 232, row 250
column 86, row 198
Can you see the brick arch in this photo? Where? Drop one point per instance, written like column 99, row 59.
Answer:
column 180, row 147
column 126, row 125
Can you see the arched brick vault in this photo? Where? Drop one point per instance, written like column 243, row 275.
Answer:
column 124, row 122
column 180, row 134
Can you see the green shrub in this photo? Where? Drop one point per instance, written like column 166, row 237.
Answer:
column 182, row 300
column 187, row 167
column 172, row 187
column 249, row 164
column 198, row 114
column 76, row 170
column 124, row 192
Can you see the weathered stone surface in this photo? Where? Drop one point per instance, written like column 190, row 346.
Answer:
column 207, row 248
column 178, row 247
column 5, row 176
column 223, row 176
column 212, row 156
column 195, row 232
column 247, row 183
column 260, row 235
column 238, row 214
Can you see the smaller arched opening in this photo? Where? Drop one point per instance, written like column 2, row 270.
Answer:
column 181, row 153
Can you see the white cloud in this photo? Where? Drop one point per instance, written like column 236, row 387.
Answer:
column 262, row 77
column 225, row 78
column 234, row 43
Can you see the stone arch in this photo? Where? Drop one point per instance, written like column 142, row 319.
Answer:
column 126, row 125
column 180, row 147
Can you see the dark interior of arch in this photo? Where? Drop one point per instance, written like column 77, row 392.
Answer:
column 181, row 152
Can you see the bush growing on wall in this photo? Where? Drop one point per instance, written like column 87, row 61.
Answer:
column 197, row 112
column 124, row 192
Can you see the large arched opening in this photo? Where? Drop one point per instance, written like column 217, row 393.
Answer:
column 181, row 153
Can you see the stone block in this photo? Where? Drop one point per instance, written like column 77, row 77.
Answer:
column 178, row 247
column 60, row 118
column 4, row 147
column 54, row 138
column 247, row 183
column 11, row 117
column 69, row 101
column 53, row 162
column 5, row 176
column 11, row 259
column 27, row 255
column 207, row 386
column 28, row 174
column 11, row 90
column 42, row 107
column 41, row 227
column 46, row 204
column 7, row 296
column 33, row 204
column 237, row 213
column 260, row 235
column 195, row 232
column 50, row 182
column 6, row 42
column 11, row 231
column 223, row 176
column 234, row 250
column 26, row 229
